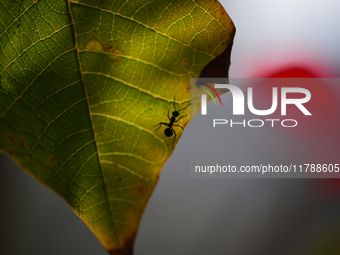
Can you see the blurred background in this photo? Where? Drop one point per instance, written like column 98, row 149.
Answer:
column 282, row 38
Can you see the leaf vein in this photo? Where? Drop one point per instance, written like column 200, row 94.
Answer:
column 141, row 23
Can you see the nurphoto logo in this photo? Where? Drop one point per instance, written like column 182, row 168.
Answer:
column 239, row 104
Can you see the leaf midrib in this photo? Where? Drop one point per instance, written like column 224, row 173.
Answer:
column 92, row 123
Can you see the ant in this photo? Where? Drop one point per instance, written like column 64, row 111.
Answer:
column 170, row 130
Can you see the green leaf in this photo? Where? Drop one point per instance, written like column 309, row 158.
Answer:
column 83, row 84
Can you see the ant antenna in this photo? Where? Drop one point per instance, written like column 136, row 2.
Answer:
column 184, row 107
column 174, row 102
column 175, row 105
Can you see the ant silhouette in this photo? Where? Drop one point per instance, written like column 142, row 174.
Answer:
column 170, row 130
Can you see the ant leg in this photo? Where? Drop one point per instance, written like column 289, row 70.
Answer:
column 181, row 118
column 174, row 138
column 178, row 126
column 159, row 125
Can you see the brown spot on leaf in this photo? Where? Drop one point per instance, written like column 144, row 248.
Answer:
column 52, row 160
column 10, row 137
column 110, row 48
column 188, row 88
column 22, row 144
column 127, row 249
column 141, row 190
